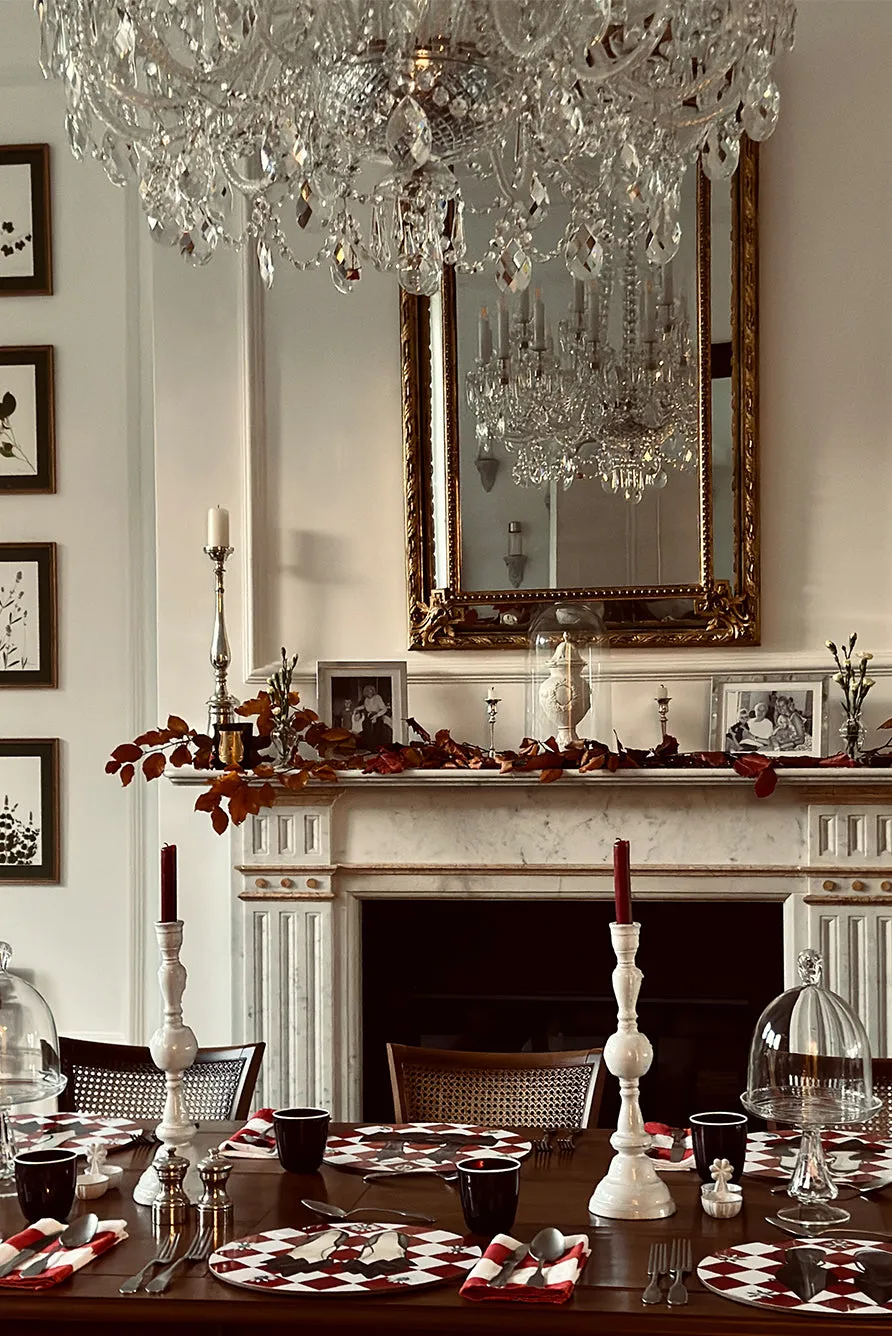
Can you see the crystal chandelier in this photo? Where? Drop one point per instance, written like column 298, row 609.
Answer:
column 615, row 403
column 343, row 132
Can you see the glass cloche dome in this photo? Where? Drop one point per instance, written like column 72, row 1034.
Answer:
column 809, row 1066
column 566, row 695
column 29, row 1054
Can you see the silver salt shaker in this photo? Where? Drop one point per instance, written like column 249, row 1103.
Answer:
column 215, row 1204
column 170, row 1209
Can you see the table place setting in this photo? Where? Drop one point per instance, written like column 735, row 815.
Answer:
column 827, row 1277
column 671, row 1148
column 48, row 1252
column 72, row 1131
column 544, row 1271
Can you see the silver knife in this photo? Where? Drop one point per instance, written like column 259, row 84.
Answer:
column 679, row 1138
column 817, row 1233
column 29, row 1250
column 509, row 1266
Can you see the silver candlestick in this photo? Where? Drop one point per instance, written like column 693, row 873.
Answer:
column 492, row 710
column 663, row 710
column 221, row 705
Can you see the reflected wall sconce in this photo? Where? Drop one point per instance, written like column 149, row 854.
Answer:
column 515, row 559
column 486, row 463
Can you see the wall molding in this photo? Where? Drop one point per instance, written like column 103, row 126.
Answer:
column 252, row 332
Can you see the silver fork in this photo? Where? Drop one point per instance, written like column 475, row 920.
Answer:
column 199, row 1251
column 566, row 1144
column 656, row 1267
column 163, row 1255
column 542, row 1145
column 680, row 1265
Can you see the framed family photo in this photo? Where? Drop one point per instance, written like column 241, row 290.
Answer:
column 26, row 254
column 369, row 699
column 785, row 714
column 28, row 634
column 29, row 810
column 27, row 420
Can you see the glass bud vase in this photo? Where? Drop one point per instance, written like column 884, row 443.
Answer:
column 852, row 734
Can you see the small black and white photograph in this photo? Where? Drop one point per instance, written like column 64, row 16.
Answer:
column 27, row 435
column 25, row 240
column 786, row 716
column 367, row 699
column 28, row 614
column 29, row 810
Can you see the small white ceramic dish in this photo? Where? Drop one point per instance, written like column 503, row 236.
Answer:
column 724, row 1205
column 91, row 1185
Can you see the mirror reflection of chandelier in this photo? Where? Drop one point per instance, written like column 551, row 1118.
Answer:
column 616, row 399
column 342, row 132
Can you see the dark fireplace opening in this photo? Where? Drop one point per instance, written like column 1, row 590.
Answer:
column 535, row 975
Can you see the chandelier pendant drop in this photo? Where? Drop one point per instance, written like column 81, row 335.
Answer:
column 358, row 132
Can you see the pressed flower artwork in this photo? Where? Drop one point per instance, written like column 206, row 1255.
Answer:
column 25, row 238
column 29, row 810
column 27, row 433
column 27, row 615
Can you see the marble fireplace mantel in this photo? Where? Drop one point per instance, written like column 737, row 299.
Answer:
column 821, row 844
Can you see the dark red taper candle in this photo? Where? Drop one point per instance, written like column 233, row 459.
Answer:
column 169, row 883
column 622, row 882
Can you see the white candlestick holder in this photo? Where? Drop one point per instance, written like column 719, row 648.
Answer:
column 173, row 1048
column 631, row 1189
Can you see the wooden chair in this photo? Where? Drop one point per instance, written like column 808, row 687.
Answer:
column 549, row 1090
column 121, row 1081
column 881, row 1126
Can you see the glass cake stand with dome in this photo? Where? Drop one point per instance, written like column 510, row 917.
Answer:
column 29, row 1058
column 809, row 1067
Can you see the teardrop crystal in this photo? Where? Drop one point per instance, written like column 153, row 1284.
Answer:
column 265, row 263
column 408, row 136
column 345, row 267
column 761, row 110
column 584, row 254
column 720, row 156
column 514, row 269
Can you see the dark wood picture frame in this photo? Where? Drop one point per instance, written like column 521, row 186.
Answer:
column 48, row 870
column 39, row 283
column 44, row 556
column 43, row 479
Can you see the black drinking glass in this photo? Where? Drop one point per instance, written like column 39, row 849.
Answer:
column 45, row 1182
column 718, row 1136
column 488, row 1187
column 301, row 1135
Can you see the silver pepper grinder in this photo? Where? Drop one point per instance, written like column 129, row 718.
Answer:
column 215, row 1204
column 170, row 1209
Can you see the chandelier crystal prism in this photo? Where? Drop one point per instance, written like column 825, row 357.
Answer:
column 345, row 133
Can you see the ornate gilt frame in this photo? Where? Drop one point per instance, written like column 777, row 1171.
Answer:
column 724, row 612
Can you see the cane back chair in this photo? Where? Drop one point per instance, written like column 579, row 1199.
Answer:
column 121, row 1081
column 880, row 1126
column 549, row 1090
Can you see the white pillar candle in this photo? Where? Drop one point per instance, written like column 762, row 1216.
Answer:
column 515, row 542
column 491, row 694
column 218, row 527
column 504, row 346
column 592, row 310
column 578, row 295
column 539, row 322
column 525, row 304
column 484, row 337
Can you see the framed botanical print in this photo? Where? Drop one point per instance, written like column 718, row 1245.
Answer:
column 368, row 699
column 27, row 420
column 779, row 714
column 26, row 245
column 29, row 810
column 28, row 634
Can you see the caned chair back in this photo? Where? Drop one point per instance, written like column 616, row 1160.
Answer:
column 880, row 1127
column 121, row 1081
column 548, row 1090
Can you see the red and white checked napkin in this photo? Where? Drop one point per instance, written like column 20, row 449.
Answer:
column 560, row 1276
column 255, row 1141
column 63, row 1261
column 662, row 1135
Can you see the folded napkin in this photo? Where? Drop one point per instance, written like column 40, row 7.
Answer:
column 63, row 1261
column 256, row 1140
column 560, row 1276
column 660, row 1150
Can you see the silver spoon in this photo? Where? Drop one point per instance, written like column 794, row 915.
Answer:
column 332, row 1212
column 78, row 1233
column 547, row 1246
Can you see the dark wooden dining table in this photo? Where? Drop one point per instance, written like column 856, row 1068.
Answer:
column 554, row 1191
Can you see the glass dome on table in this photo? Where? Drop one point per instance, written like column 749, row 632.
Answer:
column 809, row 1066
column 29, row 1057
column 567, row 696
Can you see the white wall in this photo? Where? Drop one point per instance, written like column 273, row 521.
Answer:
column 328, row 508
column 82, row 938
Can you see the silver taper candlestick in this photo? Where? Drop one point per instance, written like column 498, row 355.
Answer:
column 492, row 710
column 173, row 1048
column 221, row 705
column 631, row 1189
column 663, row 710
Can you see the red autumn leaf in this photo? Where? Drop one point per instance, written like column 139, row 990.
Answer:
column 593, row 763
column 266, row 795
column 766, row 782
column 887, row 724
column 337, row 735
column 751, row 765
column 180, row 755
column 412, row 756
column 249, row 707
column 207, row 801
column 203, row 759
column 550, row 775
column 294, row 697
column 296, row 781
column 112, row 767
column 128, row 751
column 177, row 726
column 325, row 773
column 219, row 820
column 126, row 774
column 153, row 765
column 238, row 808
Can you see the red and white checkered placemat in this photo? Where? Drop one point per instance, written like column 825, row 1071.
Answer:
column 861, row 1163
column 746, row 1275
column 432, row 1256
column 389, row 1146
column 85, row 1128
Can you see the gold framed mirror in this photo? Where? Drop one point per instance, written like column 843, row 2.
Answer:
column 680, row 566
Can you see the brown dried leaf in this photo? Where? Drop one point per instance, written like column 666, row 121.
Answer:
column 126, row 774
column 180, row 755
column 207, row 801
column 112, row 767
column 219, row 820
column 177, row 726
column 549, row 776
column 128, row 751
column 153, row 765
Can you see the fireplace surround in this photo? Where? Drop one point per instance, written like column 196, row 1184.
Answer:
column 817, row 854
